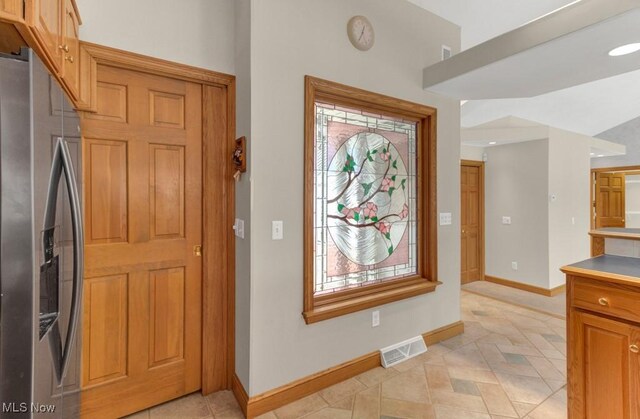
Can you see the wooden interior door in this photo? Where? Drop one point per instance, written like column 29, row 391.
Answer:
column 471, row 220
column 610, row 200
column 141, row 340
column 605, row 372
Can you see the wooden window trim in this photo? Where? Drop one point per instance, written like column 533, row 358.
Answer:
column 318, row 308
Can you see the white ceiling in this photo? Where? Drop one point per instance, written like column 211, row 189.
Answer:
column 482, row 20
column 588, row 109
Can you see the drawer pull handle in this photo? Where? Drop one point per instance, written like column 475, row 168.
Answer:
column 634, row 349
column 603, row 302
column 65, row 48
column 69, row 58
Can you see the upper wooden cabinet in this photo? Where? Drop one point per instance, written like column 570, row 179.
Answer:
column 51, row 29
column 70, row 46
column 55, row 24
column 45, row 20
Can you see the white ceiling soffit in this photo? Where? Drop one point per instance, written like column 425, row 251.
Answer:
column 604, row 148
column 511, row 130
column 562, row 49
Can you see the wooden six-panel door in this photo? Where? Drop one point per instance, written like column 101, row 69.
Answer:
column 141, row 325
column 610, row 200
column 471, row 220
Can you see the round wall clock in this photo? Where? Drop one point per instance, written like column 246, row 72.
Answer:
column 361, row 33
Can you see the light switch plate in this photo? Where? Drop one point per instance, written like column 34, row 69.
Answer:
column 277, row 232
column 238, row 226
column 445, row 218
column 506, row 220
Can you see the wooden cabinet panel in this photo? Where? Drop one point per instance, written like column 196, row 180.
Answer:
column 613, row 300
column 46, row 22
column 603, row 369
column 11, row 9
column 71, row 48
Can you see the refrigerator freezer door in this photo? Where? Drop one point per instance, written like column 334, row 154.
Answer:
column 16, row 277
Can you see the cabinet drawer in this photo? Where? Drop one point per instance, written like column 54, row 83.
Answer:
column 614, row 300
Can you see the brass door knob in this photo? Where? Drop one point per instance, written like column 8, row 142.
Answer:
column 197, row 250
column 603, row 302
column 634, row 348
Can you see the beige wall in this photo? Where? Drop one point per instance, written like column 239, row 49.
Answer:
column 289, row 39
column 195, row 32
column 471, row 153
column 516, row 184
column 569, row 169
column 543, row 186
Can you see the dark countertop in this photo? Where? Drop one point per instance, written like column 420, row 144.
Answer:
column 617, row 232
column 610, row 264
column 620, row 230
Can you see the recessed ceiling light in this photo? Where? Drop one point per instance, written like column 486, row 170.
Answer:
column 493, row 143
column 625, row 49
column 600, row 155
column 593, row 154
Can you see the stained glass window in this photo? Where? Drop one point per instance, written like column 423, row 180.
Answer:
column 370, row 232
column 365, row 187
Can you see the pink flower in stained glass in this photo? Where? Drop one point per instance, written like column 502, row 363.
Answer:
column 386, row 184
column 351, row 213
column 405, row 212
column 385, row 155
column 370, row 210
column 383, row 226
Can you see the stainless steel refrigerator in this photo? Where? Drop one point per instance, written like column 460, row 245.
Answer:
column 41, row 249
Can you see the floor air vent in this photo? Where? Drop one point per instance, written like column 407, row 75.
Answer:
column 395, row 354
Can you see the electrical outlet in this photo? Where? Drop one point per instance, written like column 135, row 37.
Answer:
column 506, row 220
column 277, row 232
column 238, row 226
column 514, row 266
column 375, row 318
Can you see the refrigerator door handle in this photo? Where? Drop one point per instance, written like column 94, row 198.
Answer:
column 62, row 163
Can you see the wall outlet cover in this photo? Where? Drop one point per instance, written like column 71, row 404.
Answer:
column 375, row 318
column 277, row 230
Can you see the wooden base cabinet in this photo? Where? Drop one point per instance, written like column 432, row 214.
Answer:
column 603, row 358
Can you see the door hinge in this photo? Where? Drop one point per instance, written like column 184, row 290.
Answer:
column 197, row 250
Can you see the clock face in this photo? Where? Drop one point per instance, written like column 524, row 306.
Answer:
column 361, row 33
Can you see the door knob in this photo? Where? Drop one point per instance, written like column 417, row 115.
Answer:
column 197, row 250
column 634, row 348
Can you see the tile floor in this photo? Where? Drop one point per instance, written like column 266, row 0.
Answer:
column 509, row 363
column 553, row 305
